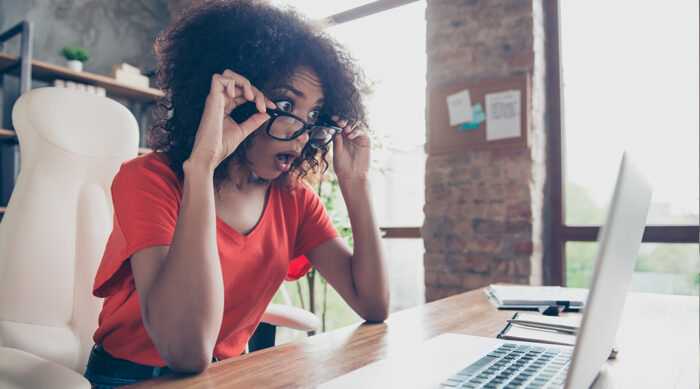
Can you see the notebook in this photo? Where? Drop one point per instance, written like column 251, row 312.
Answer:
column 533, row 297
column 438, row 361
column 544, row 329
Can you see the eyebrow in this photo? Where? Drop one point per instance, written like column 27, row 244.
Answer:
column 295, row 91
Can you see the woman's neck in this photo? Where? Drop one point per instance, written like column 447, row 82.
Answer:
column 243, row 178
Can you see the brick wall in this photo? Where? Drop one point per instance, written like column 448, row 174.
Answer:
column 484, row 209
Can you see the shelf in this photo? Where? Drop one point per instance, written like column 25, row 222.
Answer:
column 48, row 72
column 7, row 134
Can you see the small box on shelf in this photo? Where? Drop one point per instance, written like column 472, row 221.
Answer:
column 130, row 75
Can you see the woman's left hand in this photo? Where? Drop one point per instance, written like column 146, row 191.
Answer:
column 351, row 150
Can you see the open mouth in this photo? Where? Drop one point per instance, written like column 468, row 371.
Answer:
column 285, row 158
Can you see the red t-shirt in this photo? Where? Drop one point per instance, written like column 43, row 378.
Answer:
column 146, row 196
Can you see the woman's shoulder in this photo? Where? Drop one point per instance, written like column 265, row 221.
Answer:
column 153, row 168
column 301, row 193
column 149, row 161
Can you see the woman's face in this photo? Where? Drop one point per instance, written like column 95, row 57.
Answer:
column 302, row 96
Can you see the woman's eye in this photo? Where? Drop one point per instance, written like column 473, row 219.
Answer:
column 284, row 105
column 313, row 115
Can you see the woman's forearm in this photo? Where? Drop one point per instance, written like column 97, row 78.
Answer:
column 185, row 303
column 369, row 269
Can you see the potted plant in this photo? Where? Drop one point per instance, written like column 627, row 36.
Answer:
column 75, row 56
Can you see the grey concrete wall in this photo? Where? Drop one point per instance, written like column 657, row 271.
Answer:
column 113, row 31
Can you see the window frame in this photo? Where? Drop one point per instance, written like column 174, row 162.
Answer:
column 560, row 232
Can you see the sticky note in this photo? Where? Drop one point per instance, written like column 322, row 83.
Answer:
column 459, row 108
column 469, row 126
column 478, row 115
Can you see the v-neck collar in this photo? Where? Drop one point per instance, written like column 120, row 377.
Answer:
column 233, row 233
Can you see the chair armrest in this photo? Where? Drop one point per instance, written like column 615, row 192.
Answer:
column 292, row 317
column 20, row 369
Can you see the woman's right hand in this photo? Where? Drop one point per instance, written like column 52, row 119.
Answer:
column 218, row 134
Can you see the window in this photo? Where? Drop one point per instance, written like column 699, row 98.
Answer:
column 389, row 45
column 631, row 88
column 394, row 60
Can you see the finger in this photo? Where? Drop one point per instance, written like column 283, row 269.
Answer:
column 230, row 88
column 227, row 87
column 242, row 82
column 219, row 84
column 355, row 134
column 357, row 131
column 351, row 125
column 241, row 90
column 260, row 102
column 337, row 145
column 238, row 100
column 254, row 122
column 340, row 123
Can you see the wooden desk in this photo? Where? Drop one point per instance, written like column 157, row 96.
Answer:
column 656, row 333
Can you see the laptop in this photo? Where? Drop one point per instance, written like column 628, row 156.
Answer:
column 464, row 361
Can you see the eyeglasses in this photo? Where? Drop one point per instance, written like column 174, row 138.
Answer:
column 285, row 126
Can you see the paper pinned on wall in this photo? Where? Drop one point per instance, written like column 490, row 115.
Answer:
column 503, row 115
column 477, row 117
column 459, row 107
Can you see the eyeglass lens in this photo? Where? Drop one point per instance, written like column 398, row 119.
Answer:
column 286, row 127
column 320, row 135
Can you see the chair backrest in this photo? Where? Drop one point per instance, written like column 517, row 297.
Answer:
column 58, row 220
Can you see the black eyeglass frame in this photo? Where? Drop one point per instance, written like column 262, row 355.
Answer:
column 275, row 113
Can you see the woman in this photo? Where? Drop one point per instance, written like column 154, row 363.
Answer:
column 208, row 226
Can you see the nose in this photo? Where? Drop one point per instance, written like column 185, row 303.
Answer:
column 304, row 137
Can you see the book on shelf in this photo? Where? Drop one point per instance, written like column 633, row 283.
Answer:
column 536, row 297
column 96, row 90
column 129, row 74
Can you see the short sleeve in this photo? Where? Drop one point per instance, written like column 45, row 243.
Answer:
column 298, row 268
column 315, row 227
column 146, row 196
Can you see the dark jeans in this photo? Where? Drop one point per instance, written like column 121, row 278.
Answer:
column 106, row 372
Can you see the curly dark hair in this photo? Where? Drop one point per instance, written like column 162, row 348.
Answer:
column 260, row 42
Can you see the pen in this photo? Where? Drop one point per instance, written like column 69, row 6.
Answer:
column 562, row 329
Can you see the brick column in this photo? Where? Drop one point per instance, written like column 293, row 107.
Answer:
column 484, row 208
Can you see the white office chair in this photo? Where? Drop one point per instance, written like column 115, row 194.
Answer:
column 284, row 315
column 54, row 231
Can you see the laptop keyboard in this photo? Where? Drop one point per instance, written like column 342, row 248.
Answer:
column 514, row 366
